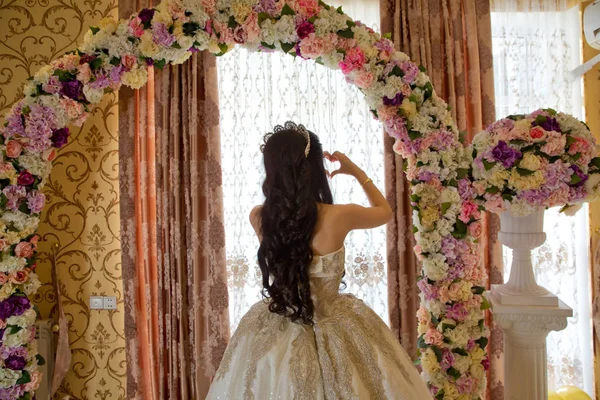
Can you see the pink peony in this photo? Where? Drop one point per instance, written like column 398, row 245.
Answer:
column 434, row 337
column 555, row 144
column 19, row 277
column 364, row 79
column 494, row 203
column 423, row 315
column 36, row 379
column 84, row 73
column 251, row 27
column 13, row 149
column 312, row 47
column 137, row 28
column 580, row 145
column 475, row 229
column 239, row 35
column 24, row 250
column 307, row 8
column 354, row 59
column 469, row 210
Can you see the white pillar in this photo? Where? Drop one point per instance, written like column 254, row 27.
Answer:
column 525, row 329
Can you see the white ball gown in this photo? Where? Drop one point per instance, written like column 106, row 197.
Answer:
column 349, row 353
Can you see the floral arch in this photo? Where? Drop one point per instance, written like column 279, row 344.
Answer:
column 452, row 333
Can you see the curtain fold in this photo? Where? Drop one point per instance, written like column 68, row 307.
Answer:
column 173, row 238
column 452, row 39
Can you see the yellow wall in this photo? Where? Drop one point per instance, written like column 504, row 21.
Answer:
column 82, row 214
column 591, row 88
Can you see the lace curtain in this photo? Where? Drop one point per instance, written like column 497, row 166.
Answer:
column 258, row 91
column 534, row 51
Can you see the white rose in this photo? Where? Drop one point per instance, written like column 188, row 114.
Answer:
column 94, row 96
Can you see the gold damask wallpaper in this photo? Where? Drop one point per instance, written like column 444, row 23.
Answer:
column 82, row 212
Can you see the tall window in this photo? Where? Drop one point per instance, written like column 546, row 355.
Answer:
column 534, row 50
column 258, row 91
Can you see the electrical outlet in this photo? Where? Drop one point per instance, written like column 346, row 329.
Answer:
column 96, row 302
column 110, row 303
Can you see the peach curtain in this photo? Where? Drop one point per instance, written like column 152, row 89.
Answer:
column 452, row 39
column 173, row 238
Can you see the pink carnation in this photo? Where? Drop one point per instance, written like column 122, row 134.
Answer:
column 469, row 210
column 312, row 47
column 494, row 203
column 580, row 145
column 251, row 27
column 137, row 28
column 354, row 59
column 364, row 79
column 434, row 337
column 555, row 144
column 307, row 8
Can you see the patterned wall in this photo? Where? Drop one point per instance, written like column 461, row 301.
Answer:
column 82, row 214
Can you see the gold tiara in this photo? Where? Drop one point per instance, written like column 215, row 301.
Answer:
column 289, row 126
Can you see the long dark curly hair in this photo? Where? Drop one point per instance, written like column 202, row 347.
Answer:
column 293, row 186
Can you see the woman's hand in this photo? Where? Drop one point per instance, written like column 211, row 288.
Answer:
column 347, row 167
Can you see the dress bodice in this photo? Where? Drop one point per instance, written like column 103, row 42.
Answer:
column 326, row 274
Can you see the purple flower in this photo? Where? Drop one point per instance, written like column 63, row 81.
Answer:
column 162, row 36
column 15, row 363
column 146, row 15
column 429, row 291
column 426, row 176
column 534, row 196
column 73, row 90
column 36, row 201
column 52, row 86
column 305, row 29
column 14, row 122
column 100, row 82
column 465, row 189
column 579, row 174
column 410, row 72
column 394, row 101
column 550, row 124
column 149, row 62
column 505, row 154
column 60, row 137
column 557, row 173
column 577, row 193
column 266, row 6
column 6, row 352
column 14, row 306
column 41, row 122
column 505, row 124
column 12, row 393
column 14, row 194
column 457, row 311
column 447, row 360
column 442, row 140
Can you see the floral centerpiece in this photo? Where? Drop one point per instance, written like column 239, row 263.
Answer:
column 399, row 93
column 541, row 160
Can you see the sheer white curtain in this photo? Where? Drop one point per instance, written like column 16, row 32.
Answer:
column 258, row 91
column 534, row 49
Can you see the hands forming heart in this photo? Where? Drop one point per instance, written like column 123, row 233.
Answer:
column 347, row 167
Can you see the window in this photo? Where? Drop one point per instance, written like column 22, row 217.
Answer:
column 533, row 54
column 258, row 91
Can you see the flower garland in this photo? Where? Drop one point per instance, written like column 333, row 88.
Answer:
column 541, row 160
column 398, row 92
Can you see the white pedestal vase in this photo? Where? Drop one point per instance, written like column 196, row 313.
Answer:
column 525, row 311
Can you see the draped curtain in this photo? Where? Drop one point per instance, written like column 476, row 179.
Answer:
column 536, row 44
column 173, row 239
column 452, row 39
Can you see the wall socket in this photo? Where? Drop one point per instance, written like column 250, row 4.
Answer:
column 103, row 303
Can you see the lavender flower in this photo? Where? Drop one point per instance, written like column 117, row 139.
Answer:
column 162, row 36
column 579, row 174
column 14, row 123
column 266, row 6
column 550, row 124
column 100, row 82
column 465, row 189
column 14, row 194
column 36, row 201
column 410, row 72
column 12, row 393
column 505, row 154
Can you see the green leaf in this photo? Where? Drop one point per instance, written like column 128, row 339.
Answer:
column 312, row 19
column 507, row 196
column 286, row 47
column 23, row 208
column 3, row 198
column 63, row 76
column 485, row 304
column 595, row 162
column 350, row 23
column 438, row 353
column 396, row 71
column 94, row 29
column 115, row 61
column 232, row 23
column 96, row 63
column 540, row 119
column 339, row 10
column 262, row 17
column 575, row 179
column 14, row 329
column 324, row 5
column 487, row 165
column 25, row 378
column 440, row 395
column 575, row 157
column 447, row 326
column 415, row 229
column 482, row 342
column 551, row 111
column 40, row 360
column 461, row 352
column 453, row 372
column 26, row 396
column 421, row 342
column 415, row 198
column 414, row 134
column 346, row 33
column 524, row 172
column 319, row 60
column 176, row 45
column 460, row 229
column 477, row 289
column 387, row 36
column 267, row 45
column 223, row 47
column 434, row 320
column 160, row 64
column 445, row 207
column 570, row 140
column 462, row 173
column 518, row 142
column 422, row 68
column 287, row 10
column 428, row 91
column 190, row 28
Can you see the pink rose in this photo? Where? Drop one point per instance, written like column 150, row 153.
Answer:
column 25, row 178
column 36, row 379
column 24, row 250
column 137, row 28
column 3, row 245
column 13, row 149
column 3, row 278
column 19, row 277
column 469, row 210
column 475, row 229
column 479, row 188
column 494, row 203
column 434, row 337
column 354, row 59
column 345, row 43
column 364, row 79
column 34, row 241
column 239, row 35
column 85, row 73
column 129, row 61
column 51, row 155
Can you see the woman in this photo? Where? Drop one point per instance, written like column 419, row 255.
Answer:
column 308, row 341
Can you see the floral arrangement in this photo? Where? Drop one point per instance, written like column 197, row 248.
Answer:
column 399, row 93
column 541, row 160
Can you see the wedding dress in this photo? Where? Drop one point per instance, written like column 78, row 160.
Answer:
column 349, row 353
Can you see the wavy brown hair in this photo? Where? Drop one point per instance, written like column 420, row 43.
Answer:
column 293, row 187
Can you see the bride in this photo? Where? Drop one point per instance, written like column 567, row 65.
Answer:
column 308, row 341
